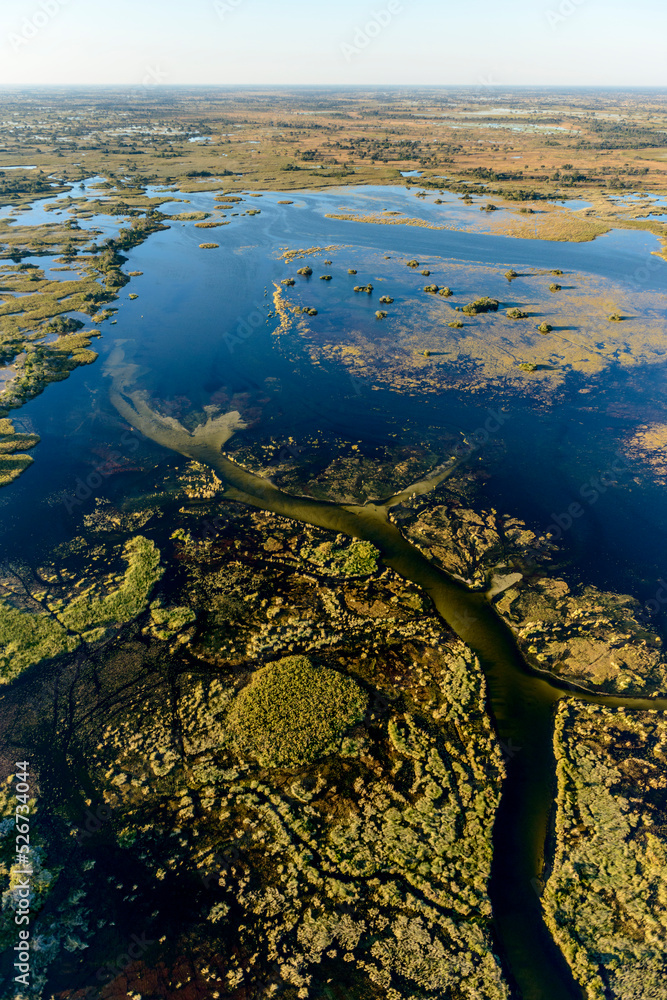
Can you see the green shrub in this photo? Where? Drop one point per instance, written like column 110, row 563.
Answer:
column 485, row 304
column 446, row 292
column 553, row 287
column 294, row 712
column 516, row 313
column 545, row 328
column 432, row 289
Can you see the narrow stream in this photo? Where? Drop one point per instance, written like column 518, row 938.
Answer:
column 521, row 701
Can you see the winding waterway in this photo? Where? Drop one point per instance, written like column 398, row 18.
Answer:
column 183, row 295
column 520, row 701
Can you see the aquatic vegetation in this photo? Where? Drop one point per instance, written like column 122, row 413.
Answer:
column 545, row 328
column 359, row 558
column 209, row 246
column 11, row 467
column 528, row 366
column 485, row 304
column 432, row 289
column 386, row 299
column 133, row 295
column 615, row 318
column 456, row 324
column 511, row 274
column 42, row 364
column 306, row 271
column 446, row 292
column 426, row 273
column 553, row 287
column 351, row 270
column 381, row 314
column 286, row 202
column 363, row 288
column 605, row 898
column 590, row 637
column 288, row 281
column 326, row 277
column 27, row 637
column 190, row 216
column 413, row 263
column 11, row 442
column 294, row 712
column 166, row 623
column 516, row 313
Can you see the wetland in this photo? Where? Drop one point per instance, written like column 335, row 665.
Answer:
column 335, row 634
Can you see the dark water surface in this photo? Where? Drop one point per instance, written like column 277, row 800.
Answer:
column 201, row 327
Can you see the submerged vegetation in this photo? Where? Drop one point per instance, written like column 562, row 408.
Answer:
column 57, row 625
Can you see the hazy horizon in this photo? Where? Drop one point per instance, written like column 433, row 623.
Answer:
column 405, row 43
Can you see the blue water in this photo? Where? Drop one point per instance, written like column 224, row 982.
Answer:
column 192, row 301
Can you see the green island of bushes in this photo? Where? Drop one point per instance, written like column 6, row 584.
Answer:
column 485, row 304
column 293, row 712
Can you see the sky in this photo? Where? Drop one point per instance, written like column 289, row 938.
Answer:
column 281, row 42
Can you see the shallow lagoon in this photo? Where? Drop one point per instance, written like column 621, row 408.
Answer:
column 203, row 330
column 192, row 302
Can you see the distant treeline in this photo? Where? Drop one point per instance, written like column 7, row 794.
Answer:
column 16, row 183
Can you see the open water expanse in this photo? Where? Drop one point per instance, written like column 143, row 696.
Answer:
column 203, row 329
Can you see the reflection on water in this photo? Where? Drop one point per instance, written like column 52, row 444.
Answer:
column 202, row 338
